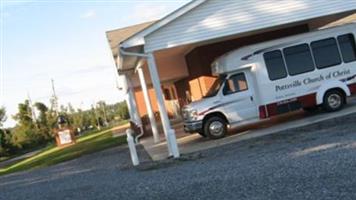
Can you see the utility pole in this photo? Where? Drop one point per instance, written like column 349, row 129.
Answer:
column 95, row 115
column 33, row 113
column 104, row 112
column 106, row 118
column 54, row 98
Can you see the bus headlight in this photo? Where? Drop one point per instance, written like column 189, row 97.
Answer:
column 193, row 115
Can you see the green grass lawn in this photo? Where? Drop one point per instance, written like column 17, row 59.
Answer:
column 52, row 155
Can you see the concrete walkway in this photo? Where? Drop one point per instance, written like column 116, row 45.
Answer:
column 192, row 143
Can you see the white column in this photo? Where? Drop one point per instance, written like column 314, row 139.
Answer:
column 148, row 104
column 130, row 101
column 132, row 147
column 169, row 132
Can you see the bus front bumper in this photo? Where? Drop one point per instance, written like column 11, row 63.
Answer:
column 193, row 127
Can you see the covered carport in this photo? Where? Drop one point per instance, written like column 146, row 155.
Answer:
column 180, row 47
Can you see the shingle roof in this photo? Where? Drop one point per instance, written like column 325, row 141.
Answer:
column 115, row 37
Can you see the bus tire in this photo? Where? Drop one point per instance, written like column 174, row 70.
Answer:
column 333, row 100
column 215, row 127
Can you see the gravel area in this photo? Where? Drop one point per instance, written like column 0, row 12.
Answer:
column 313, row 162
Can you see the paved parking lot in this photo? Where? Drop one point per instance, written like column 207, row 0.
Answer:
column 192, row 143
column 313, row 162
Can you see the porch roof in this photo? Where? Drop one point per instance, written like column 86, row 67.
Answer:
column 207, row 21
column 215, row 19
column 117, row 36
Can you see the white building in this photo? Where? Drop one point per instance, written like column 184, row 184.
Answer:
column 175, row 52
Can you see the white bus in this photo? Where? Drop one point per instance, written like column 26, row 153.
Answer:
column 315, row 69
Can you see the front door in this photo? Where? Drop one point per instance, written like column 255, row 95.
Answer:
column 239, row 99
column 171, row 101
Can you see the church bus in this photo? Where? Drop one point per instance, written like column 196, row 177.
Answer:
column 305, row 71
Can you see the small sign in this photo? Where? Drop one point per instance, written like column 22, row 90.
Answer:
column 65, row 137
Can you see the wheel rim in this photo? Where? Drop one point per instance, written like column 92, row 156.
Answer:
column 216, row 128
column 334, row 101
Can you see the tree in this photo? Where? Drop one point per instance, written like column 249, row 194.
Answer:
column 3, row 141
column 44, row 128
column 24, row 115
column 2, row 117
column 94, row 120
column 77, row 119
column 52, row 114
column 123, row 111
column 70, row 109
column 86, row 118
column 24, row 134
column 70, row 115
column 29, row 132
column 42, row 118
column 102, row 111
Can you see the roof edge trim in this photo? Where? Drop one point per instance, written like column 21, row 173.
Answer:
column 138, row 38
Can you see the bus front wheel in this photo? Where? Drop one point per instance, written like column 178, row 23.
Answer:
column 215, row 127
column 333, row 100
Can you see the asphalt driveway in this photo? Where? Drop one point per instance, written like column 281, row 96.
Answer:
column 313, row 162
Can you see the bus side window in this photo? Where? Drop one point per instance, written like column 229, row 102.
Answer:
column 326, row 53
column 275, row 65
column 299, row 59
column 347, row 47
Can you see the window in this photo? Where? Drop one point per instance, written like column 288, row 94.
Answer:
column 298, row 59
column 275, row 65
column 347, row 47
column 326, row 53
column 236, row 83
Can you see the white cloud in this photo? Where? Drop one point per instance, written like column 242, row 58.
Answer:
column 149, row 12
column 88, row 14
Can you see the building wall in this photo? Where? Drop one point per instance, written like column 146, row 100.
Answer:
column 141, row 106
column 200, row 59
column 169, row 67
column 169, row 102
column 200, row 86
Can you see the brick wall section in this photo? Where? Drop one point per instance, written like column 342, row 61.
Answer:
column 200, row 86
column 141, row 105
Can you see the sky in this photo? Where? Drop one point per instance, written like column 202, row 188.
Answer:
column 65, row 41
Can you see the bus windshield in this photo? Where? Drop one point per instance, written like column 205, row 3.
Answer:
column 216, row 86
